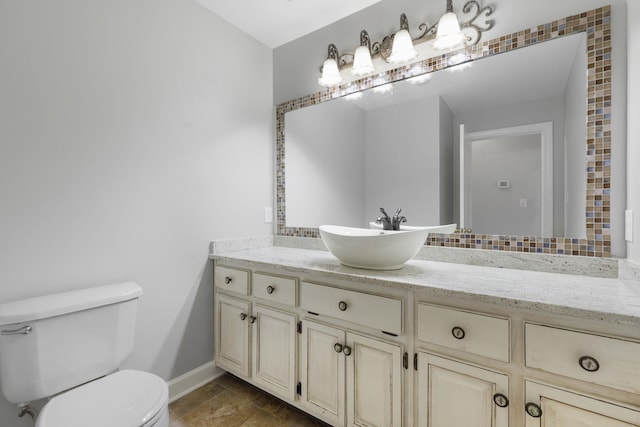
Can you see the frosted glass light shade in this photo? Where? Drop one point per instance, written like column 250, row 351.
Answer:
column 449, row 35
column 362, row 64
column 402, row 49
column 330, row 74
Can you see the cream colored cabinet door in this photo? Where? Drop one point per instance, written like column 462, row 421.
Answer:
column 274, row 351
column 374, row 382
column 549, row 406
column 455, row 394
column 232, row 317
column 322, row 372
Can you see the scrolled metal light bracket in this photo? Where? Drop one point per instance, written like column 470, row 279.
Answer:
column 473, row 27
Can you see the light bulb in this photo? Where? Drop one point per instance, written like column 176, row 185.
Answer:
column 362, row 64
column 402, row 49
column 330, row 74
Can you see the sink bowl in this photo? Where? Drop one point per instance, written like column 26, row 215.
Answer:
column 445, row 229
column 372, row 249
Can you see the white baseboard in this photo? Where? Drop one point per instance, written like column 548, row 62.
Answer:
column 189, row 381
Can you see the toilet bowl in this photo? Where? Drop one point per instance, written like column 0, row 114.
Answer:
column 68, row 348
column 124, row 399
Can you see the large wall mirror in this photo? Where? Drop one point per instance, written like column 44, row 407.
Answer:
column 509, row 145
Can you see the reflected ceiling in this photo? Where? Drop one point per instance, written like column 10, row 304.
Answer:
column 537, row 72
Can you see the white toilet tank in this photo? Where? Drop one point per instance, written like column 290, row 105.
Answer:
column 53, row 343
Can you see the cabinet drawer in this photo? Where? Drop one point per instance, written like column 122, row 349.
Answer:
column 377, row 312
column 275, row 288
column 231, row 279
column 611, row 362
column 474, row 333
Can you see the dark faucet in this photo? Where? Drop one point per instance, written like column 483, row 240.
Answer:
column 389, row 223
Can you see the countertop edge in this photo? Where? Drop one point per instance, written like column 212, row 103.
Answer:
column 321, row 263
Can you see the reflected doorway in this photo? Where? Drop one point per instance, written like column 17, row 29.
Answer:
column 506, row 185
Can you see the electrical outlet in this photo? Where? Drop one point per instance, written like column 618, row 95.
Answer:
column 268, row 215
column 628, row 225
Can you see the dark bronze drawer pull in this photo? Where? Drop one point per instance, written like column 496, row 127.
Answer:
column 589, row 363
column 458, row 332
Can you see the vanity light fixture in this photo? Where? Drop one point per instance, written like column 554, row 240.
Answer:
column 362, row 63
column 330, row 71
column 447, row 34
column 402, row 49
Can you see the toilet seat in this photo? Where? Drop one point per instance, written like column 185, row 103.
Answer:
column 124, row 399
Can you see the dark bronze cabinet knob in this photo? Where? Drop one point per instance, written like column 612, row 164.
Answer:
column 342, row 306
column 346, row 350
column 243, row 316
column 252, row 319
column 533, row 410
column 589, row 363
column 500, row 400
column 337, row 347
column 458, row 332
column 270, row 289
column 227, row 280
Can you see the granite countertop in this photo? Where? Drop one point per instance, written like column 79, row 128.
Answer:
column 606, row 299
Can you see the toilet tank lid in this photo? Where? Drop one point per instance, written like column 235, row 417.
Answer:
column 60, row 303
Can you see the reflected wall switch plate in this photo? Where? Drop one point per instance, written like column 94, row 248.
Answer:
column 628, row 225
column 503, row 184
column 523, row 203
column 268, row 215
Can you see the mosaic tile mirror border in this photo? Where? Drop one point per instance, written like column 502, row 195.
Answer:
column 597, row 25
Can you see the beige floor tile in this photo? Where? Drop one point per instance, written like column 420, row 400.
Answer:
column 226, row 409
column 263, row 419
column 194, row 399
column 231, row 402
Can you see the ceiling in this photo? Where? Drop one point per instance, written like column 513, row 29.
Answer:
column 276, row 22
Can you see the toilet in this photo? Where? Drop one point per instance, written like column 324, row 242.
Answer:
column 67, row 348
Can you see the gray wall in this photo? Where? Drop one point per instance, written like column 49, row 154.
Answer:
column 404, row 172
column 325, row 165
column 575, row 152
column 498, row 211
column 296, row 64
column 129, row 141
column 544, row 110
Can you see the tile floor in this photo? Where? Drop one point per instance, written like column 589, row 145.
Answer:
column 228, row 401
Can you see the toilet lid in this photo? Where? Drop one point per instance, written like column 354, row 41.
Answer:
column 123, row 399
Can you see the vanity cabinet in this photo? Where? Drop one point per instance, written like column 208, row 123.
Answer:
column 254, row 340
column 347, row 377
column 350, row 378
column 232, row 334
column 588, row 357
column 451, row 393
column 369, row 353
column 549, row 406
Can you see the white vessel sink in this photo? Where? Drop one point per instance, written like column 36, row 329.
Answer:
column 372, row 249
column 445, row 229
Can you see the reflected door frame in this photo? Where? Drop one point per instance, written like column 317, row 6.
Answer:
column 545, row 130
